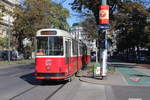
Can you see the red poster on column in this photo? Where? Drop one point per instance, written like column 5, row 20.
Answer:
column 103, row 14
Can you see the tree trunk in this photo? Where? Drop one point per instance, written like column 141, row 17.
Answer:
column 127, row 54
column 20, row 44
column 137, row 54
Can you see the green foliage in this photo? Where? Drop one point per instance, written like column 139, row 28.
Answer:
column 89, row 26
column 35, row 15
column 2, row 9
column 147, row 31
column 17, row 62
column 3, row 43
column 111, row 69
column 128, row 18
column 131, row 21
column 92, row 67
column 88, row 7
column 84, row 6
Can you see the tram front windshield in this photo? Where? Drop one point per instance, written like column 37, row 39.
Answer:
column 50, row 46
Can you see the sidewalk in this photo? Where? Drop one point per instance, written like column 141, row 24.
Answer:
column 3, row 66
column 145, row 68
column 125, row 75
column 112, row 78
column 115, row 78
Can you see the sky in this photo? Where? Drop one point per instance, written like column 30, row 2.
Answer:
column 72, row 18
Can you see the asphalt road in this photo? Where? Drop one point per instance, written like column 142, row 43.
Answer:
column 18, row 83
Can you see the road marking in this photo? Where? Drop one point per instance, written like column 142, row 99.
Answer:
column 135, row 99
column 134, row 77
column 125, row 81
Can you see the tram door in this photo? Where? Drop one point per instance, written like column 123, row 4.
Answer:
column 68, row 54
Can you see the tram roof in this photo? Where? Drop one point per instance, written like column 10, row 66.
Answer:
column 59, row 32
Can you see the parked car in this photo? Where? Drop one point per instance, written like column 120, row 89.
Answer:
column 1, row 53
column 143, row 58
column 132, row 59
column 20, row 56
column 5, row 55
column 147, row 59
column 13, row 55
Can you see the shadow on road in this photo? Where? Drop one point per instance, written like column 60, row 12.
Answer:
column 29, row 78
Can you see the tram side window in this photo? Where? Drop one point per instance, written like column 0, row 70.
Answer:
column 81, row 50
column 74, row 47
column 67, row 52
column 84, row 50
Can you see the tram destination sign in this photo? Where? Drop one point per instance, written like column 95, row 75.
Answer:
column 48, row 32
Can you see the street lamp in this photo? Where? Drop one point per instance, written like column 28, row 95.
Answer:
column 9, row 38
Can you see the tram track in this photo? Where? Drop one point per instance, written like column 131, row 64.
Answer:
column 27, row 90
column 52, row 94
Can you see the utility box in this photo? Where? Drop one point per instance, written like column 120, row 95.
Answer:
column 97, row 70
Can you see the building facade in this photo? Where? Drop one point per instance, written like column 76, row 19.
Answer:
column 78, row 33
column 7, row 21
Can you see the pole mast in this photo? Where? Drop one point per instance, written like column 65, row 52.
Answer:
column 104, row 24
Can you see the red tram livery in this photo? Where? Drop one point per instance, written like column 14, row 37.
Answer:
column 58, row 54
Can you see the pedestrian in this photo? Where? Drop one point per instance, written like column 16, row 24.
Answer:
column 15, row 54
column 40, row 53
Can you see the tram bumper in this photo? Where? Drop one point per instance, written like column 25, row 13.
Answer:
column 50, row 75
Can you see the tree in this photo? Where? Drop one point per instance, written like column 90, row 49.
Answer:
column 131, row 23
column 3, row 43
column 89, row 26
column 2, row 10
column 88, row 6
column 37, row 14
column 147, row 39
column 127, row 17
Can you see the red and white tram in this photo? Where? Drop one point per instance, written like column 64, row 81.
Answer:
column 58, row 54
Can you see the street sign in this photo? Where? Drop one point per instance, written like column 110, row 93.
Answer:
column 103, row 26
column 103, row 14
